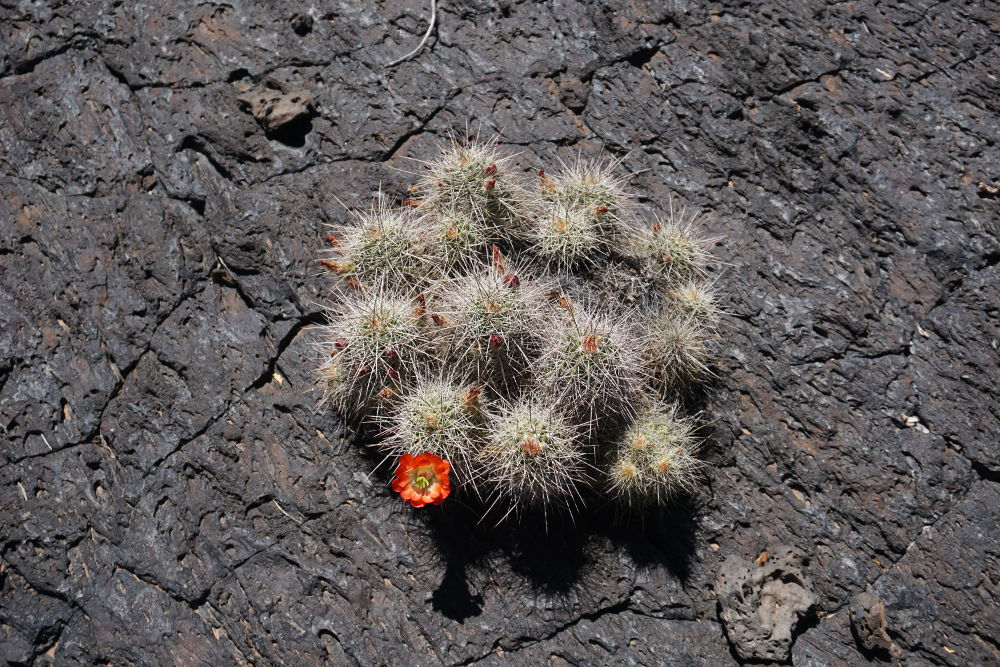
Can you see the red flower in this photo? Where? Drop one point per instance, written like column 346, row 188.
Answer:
column 422, row 479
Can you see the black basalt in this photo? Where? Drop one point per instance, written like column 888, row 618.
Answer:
column 169, row 492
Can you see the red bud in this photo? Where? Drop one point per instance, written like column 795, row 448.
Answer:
column 544, row 181
column 471, row 398
column 421, row 303
column 498, row 263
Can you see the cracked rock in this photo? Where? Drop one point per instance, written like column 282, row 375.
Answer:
column 869, row 625
column 761, row 603
column 573, row 93
column 169, row 492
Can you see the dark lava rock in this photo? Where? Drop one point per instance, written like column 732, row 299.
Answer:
column 302, row 24
column 761, row 603
column 869, row 626
column 169, row 492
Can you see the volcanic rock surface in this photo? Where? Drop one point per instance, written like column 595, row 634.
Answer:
column 169, row 493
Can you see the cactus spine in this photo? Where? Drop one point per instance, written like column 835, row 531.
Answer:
column 484, row 323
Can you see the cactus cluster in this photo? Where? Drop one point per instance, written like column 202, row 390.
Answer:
column 534, row 332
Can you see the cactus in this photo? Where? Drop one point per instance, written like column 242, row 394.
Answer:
column 474, row 179
column 590, row 183
column 655, row 458
column 582, row 215
column 440, row 416
column 493, row 320
column 534, row 340
column 677, row 350
column 697, row 300
column 671, row 250
column 566, row 235
column 531, row 457
column 385, row 248
column 593, row 363
column 373, row 344
column 457, row 239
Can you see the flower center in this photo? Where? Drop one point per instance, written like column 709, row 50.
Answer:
column 424, row 478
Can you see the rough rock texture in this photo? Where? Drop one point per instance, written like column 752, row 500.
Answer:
column 869, row 625
column 168, row 492
column 762, row 603
column 275, row 107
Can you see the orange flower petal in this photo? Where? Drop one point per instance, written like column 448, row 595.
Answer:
column 433, row 469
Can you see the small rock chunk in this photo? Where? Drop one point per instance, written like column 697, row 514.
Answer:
column 275, row 105
column 869, row 626
column 761, row 603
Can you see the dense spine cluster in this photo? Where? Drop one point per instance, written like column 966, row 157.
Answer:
column 532, row 456
column 655, row 457
column 481, row 322
column 442, row 417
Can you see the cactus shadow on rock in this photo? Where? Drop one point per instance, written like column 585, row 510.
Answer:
column 551, row 553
